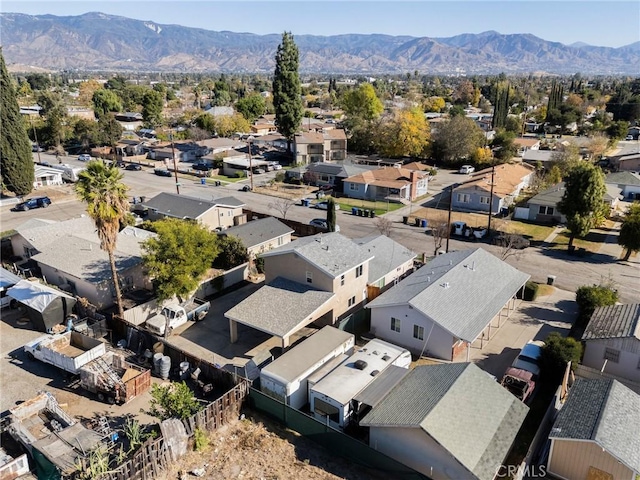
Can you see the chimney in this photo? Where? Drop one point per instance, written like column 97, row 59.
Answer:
column 414, row 184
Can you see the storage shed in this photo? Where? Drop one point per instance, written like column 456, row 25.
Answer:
column 46, row 306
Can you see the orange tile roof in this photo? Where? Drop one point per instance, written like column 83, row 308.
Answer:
column 526, row 142
column 391, row 177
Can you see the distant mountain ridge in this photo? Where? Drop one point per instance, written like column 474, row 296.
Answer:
column 97, row 41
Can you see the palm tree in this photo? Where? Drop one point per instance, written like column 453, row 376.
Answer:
column 101, row 188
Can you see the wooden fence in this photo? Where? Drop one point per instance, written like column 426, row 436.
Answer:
column 153, row 457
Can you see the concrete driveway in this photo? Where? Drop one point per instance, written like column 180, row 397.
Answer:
column 531, row 321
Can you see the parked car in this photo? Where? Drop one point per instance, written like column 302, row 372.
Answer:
column 258, row 171
column 120, row 164
column 246, row 188
column 203, row 167
column 519, row 382
column 322, row 223
column 162, row 172
column 84, row 157
column 36, row 148
column 324, row 205
column 466, row 169
column 511, row 240
column 326, row 187
column 36, row 202
column 133, row 167
column 529, row 357
column 276, row 166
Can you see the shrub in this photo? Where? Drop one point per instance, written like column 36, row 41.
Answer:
column 172, row 401
column 280, row 176
column 239, row 174
column 591, row 297
column 200, row 440
column 559, row 350
column 530, row 291
column 259, row 264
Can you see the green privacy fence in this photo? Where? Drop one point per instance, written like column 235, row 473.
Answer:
column 331, row 439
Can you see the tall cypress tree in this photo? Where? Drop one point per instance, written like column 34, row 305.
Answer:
column 16, row 161
column 287, row 99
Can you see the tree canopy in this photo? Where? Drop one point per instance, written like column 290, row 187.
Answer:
column 16, row 162
column 287, row 99
column 406, row 133
column 456, row 139
column 362, row 102
column 179, row 256
column 583, row 194
column 152, row 104
column 105, row 101
column 629, row 236
column 251, row 107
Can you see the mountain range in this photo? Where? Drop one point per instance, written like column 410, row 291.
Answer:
column 97, row 41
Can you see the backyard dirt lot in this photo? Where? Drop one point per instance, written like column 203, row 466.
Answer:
column 257, row 448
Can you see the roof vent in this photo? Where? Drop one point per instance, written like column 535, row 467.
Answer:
column 386, row 358
column 445, row 285
column 375, row 372
column 360, row 364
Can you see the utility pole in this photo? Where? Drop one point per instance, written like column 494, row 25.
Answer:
column 449, row 217
column 175, row 167
column 493, row 174
column 250, row 139
column 35, row 136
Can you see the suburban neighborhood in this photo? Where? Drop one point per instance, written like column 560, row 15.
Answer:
column 410, row 276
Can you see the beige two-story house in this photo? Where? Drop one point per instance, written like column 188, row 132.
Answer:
column 320, row 279
column 324, row 146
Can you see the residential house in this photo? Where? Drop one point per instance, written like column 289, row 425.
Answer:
column 447, row 421
column 321, row 279
column 456, row 300
column 132, row 147
column 187, row 151
column 596, row 433
column 543, row 207
column 391, row 263
column 215, row 146
column 627, row 182
column 333, row 174
column 130, row 121
column 260, row 236
column 220, row 111
column 524, row 144
column 539, row 157
column 46, row 176
column 219, row 213
column 68, row 255
column 324, row 146
column 628, row 163
column 508, row 179
column 612, row 341
column 387, row 183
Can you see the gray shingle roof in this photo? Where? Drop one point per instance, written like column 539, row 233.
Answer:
column 485, row 282
column 280, row 308
column 549, row 197
column 389, row 255
column 182, row 206
column 606, row 412
column 259, row 231
column 623, row 178
column 461, row 408
column 383, row 384
column 41, row 233
column 614, row 321
column 332, row 253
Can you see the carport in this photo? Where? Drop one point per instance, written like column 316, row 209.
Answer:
column 46, row 306
column 280, row 309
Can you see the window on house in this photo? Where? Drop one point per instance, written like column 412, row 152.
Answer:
column 342, row 280
column 395, row 325
column 612, row 355
column 325, row 409
column 352, row 301
column 280, row 241
column 418, row 332
column 309, row 277
column 544, row 210
column 358, row 271
column 464, row 198
column 484, row 200
column 353, row 186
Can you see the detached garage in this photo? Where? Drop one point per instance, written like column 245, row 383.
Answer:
column 46, row 306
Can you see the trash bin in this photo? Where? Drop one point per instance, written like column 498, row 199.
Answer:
column 417, row 222
column 423, row 223
column 354, row 211
column 405, row 220
column 372, row 214
column 218, row 183
column 551, row 279
column 203, row 181
column 365, row 213
column 305, row 202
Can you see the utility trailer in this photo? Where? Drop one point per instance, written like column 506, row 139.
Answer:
column 68, row 351
column 113, row 379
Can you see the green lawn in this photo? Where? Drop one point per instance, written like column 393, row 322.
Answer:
column 535, row 233
column 224, row 178
column 380, row 208
column 562, row 241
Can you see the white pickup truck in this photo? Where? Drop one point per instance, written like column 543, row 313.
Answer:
column 69, row 351
column 177, row 315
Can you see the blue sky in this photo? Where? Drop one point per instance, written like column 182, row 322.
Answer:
column 603, row 23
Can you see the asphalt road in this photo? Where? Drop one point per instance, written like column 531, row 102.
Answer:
column 571, row 272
